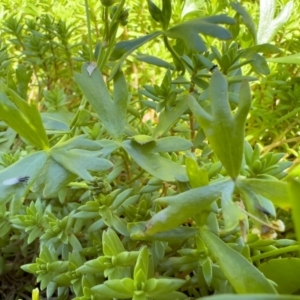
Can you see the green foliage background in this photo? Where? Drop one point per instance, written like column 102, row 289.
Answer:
column 153, row 174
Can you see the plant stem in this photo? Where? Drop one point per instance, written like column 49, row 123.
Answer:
column 275, row 252
column 88, row 21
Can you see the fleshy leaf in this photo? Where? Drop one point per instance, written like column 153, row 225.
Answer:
column 155, row 287
column 140, row 272
column 197, row 176
column 290, row 267
column 115, row 288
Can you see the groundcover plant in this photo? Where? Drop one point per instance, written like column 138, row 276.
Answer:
column 149, row 150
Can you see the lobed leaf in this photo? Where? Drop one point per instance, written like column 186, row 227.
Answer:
column 111, row 112
column 183, row 206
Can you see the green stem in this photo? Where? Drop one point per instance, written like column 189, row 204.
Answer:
column 275, row 252
column 136, row 177
column 73, row 122
column 287, row 116
column 88, row 21
column 106, row 53
column 174, row 54
column 109, row 38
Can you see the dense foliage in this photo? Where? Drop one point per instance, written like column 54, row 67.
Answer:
column 149, row 150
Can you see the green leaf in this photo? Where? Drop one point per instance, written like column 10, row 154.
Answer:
column 166, row 13
column 91, row 267
column 250, row 297
column 224, row 131
column 53, row 178
column 31, row 165
column 153, row 163
column 259, row 64
column 294, row 192
column 125, row 48
column 155, row 12
column 172, row 144
column 274, row 190
column 171, row 296
column 24, row 118
column 53, row 125
column 137, row 232
column 290, row 59
column 111, row 112
column 274, row 270
column 78, row 156
column 142, row 139
column 156, row 287
column 126, row 258
column 153, row 60
column 231, row 212
column 112, row 245
column 189, row 31
column 183, row 206
column 140, row 272
column 207, row 271
column 246, row 18
column 169, row 116
column 263, row 48
column 242, row 275
column 197, row 176
column 115, row 288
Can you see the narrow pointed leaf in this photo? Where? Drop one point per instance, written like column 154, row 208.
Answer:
column 246, row 18
column 242, row 275
column 125, row 48
column 153, row 60
column 24, row 118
